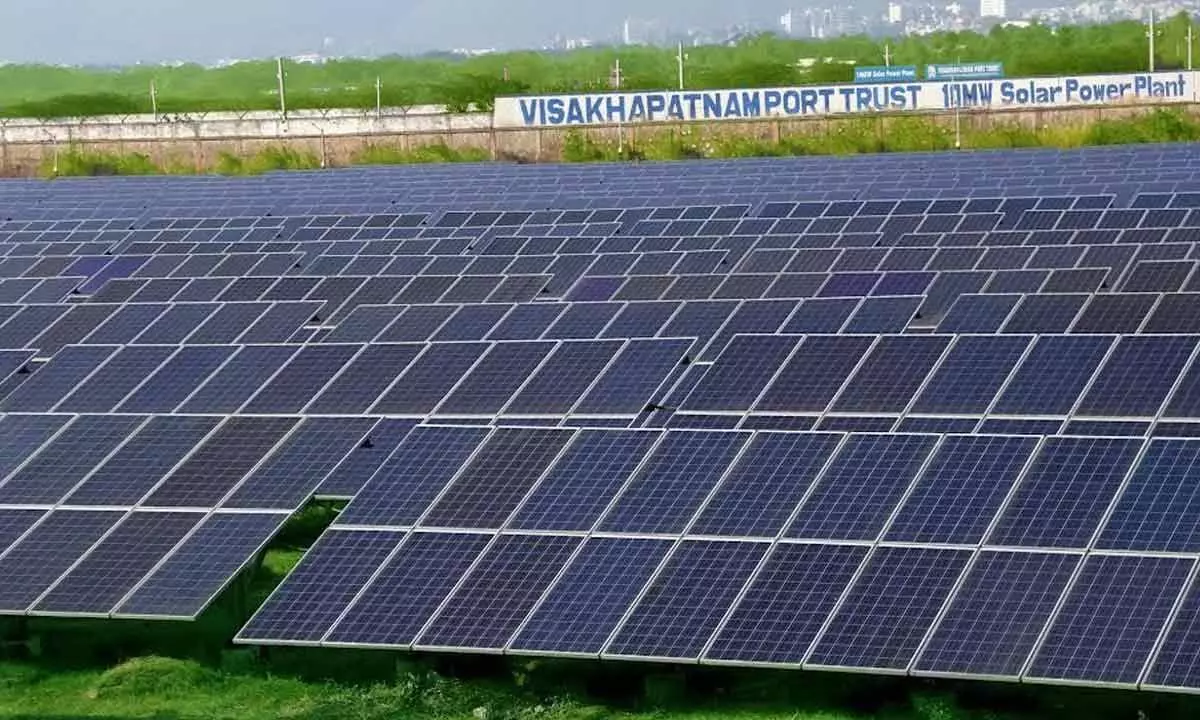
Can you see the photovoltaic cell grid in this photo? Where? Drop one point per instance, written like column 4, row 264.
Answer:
column 252, row 363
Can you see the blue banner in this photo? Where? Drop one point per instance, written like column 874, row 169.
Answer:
column 965, row 71
column 885, row 74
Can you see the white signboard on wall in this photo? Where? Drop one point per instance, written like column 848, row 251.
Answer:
column 815, row 101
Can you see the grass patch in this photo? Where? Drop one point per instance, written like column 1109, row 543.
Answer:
column 846, row 136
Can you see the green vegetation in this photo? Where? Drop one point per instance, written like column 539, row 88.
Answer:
column 50, row 92
column 843, row 136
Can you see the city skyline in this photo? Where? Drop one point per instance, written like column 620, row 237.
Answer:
column 126, row 32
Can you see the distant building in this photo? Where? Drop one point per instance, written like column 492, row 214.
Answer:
column 895, row 13
column 993, row 8
column 785, row 22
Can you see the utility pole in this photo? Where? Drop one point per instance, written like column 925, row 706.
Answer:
column 378, row 97
column 1151, row 36
column 615, row 81
column 282, row 88
column 154, row 99
column 679, row 57
column 887, row 55
column 1189, row 42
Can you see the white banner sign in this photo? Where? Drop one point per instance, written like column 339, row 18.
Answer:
column 815, row 101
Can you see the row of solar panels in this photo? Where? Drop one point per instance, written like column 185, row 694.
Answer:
column 152, row 516
column 49, row 327
column 1021, row 566
column 1079, row 384
column 1101, row 207
column 591, row 378
column 1125, row 190
column 929, row 226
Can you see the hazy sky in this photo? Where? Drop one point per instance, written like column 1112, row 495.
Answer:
column 125, row 31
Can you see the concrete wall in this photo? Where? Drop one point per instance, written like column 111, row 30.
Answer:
column 197, row 141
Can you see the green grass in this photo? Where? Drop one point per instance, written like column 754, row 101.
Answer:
column 759, row 61
column 157, row 687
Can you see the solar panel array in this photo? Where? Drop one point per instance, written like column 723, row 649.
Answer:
column 927, row 414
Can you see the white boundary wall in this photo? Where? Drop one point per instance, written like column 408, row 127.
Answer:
column 426, row 120
column 559, row 111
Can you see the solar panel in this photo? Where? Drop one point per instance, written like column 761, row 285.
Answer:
column 115, row 564
column 635, row 378
column 493, row 599
column 740, row 373
column 1053, row 375
column 201, row 566
column 686, row 600
column 1111, row 619
column 974, row 370
column 69, row 368
column 126, row 476
column 493, row 381
column 786, row 604
column 413, row 475
column 220, row 463
column 64, row 461
column 501, row 473
column 891, row 374
column 321, row 586
column 35, row 563
column 286, row 479
column 675, row 479
column 889, row 609
column 854, row 497
column 588, row 601
column 364, row 379
column 583, row 481
column 1138, row 376
column 996, row 616
column 814, row 374
column 237, row 380
column 303, row 377
column 434, row 373
column 408, row 589
column 959, row 493
column 563, row 378
column 1065, row 493
column 125, row 371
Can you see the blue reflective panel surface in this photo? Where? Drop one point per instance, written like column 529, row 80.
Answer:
column 679, row 474
column 814, row 374
column 586, row 603
column 788, row 601
column 891, row 374
column 508, row 464
column 973, row 372
column 961, row 490
column 32, row 565
column 1053, row 375
column 318, row 590
column 118, row 562
column 401, row 599
column 860, row 489
column 1065, row 493
column 1111, row 619
column 202, row 565
column 682, row 606
column 67, row 459
column 1159, row 510
column 740, row 373
column 889, row 609
column 997, row 615
column 766, row 484
column 1136, row 378
column 495, row 597
column 425, row 462
column 583, row 481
